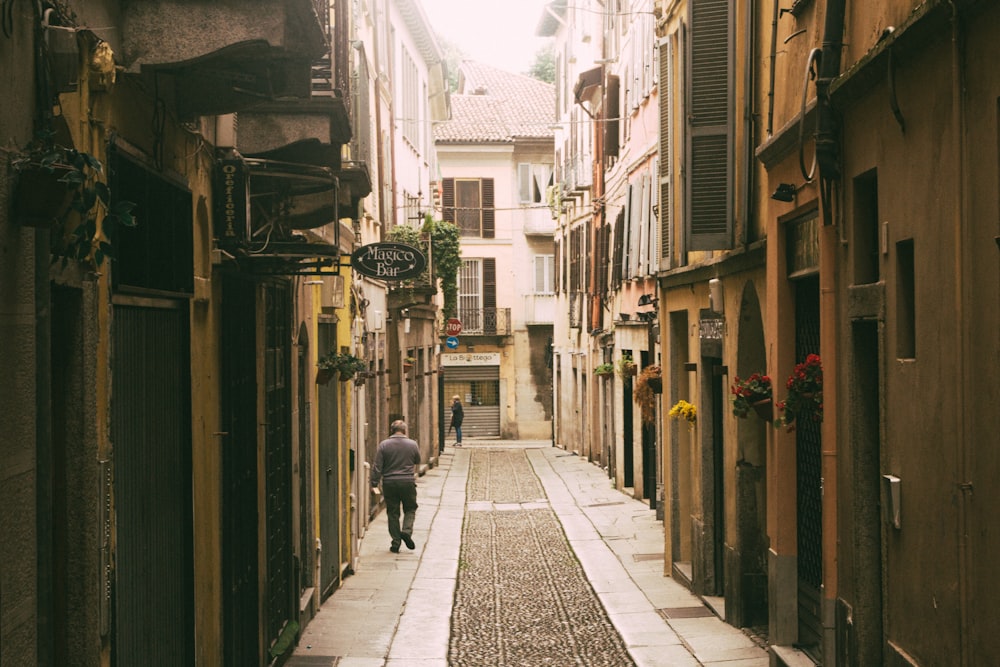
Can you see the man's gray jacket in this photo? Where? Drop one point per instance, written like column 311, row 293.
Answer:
column 396, row 458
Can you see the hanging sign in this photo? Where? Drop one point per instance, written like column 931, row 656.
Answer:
column 388, row 261
column 231, row 193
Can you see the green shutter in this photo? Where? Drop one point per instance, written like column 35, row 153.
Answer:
column 710, row 126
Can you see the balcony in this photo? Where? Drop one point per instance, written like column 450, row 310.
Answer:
column 484, row 321
column 212, row 57
column 539, row 309
column 578, row 174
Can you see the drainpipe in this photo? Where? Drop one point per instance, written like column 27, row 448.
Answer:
column 45, row 613
column 966, row 591
column 43, row 448
column 827, row 148
column 828, row 162
column 750, row 131
column 773, row 57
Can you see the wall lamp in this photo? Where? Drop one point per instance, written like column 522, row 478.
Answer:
column 785, row 192
column 647, row 300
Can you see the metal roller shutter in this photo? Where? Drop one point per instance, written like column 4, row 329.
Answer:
column 473, row 383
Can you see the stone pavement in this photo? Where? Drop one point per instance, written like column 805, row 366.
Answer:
column 396, row 610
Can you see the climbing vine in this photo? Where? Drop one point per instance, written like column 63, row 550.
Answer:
column 446, row 255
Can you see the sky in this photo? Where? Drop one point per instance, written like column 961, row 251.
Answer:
column 501, row 34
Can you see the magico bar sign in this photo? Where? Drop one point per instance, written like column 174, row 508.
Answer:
column 232, row 198
column 389, row 261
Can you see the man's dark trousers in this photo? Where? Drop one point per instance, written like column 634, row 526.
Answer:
column 400, row 492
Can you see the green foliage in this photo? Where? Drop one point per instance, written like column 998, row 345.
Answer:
column 344, row 363
column 453, row 57
column 80, row 238
column 544, row 66
column 604, row 369
column 446, row 255
column 644, row 392
column 447, row 251
column 626, row 366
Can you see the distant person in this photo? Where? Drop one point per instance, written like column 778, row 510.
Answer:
column 457, row 415
column 396, row 461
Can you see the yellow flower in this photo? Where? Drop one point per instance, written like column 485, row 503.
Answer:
column 684, row 410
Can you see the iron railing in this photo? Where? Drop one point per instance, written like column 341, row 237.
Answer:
column 485, row 321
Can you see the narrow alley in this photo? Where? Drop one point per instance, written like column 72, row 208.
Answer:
column 525, row 556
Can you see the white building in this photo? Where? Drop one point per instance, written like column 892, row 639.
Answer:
column 496, row 169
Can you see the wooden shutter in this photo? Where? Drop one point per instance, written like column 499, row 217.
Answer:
column 489, row 295
column 710, row 126
column 666, row 97
column 612, row 112
column 448, row 199
column 559, row 266
column 489, row 215
column 616, row 266
column 603, row 258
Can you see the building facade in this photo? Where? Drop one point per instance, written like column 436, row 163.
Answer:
column 789, row 214
column 186, row 482
column 495, row 156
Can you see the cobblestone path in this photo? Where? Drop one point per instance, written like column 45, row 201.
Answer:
column 522, row 598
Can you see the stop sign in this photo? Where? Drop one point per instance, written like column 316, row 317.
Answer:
column 453, row 326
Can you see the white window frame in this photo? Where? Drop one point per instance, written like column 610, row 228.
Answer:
column 544, row 274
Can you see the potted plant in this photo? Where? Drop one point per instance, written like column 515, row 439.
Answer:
column 408, row 363
column 805, row 393
column 686, row 411
column 647, row 385
column 753, row 393
column 604, row 369
column 343, row 364
column 626, row 366
column 60, row 187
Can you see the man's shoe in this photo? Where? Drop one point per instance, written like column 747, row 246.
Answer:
column 408, row 541
column 394, row 548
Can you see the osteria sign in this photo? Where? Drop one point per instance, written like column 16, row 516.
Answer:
column 388, row 261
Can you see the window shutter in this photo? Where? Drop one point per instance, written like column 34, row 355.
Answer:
column 448, row 199
column 559, row 266
column 616, row 267
column 645, row 238
column 489, row 295
column 489, row 216
column 710, row 125
column 524, row 182
column 604, row 258
column 666, row 96
column 612, row 111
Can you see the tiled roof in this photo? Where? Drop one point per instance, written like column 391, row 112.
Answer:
column 494, row 106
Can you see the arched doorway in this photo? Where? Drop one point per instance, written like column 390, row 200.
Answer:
column 746, row 603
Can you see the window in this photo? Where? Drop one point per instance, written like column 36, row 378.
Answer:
column 477, row 295
column 532, row 182
column 410, row 103
column 906, row 311
column 866, row 228
column 545, row 274
column 710, row 126
column 468, row 203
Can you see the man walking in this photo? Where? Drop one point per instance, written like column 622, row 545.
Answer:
column 396, row 461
